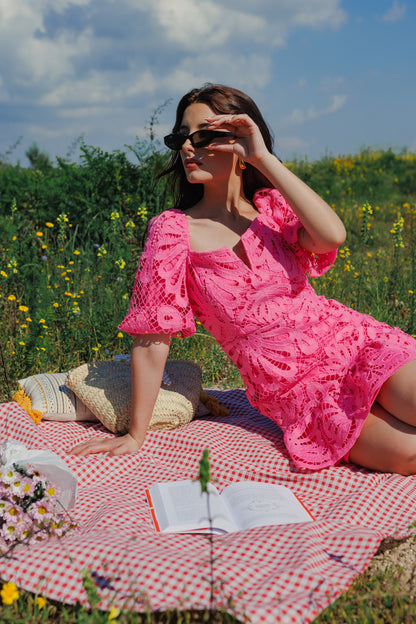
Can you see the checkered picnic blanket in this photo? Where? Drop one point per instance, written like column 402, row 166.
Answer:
column 274, row 574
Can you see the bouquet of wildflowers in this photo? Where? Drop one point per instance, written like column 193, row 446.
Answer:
column 29, row 508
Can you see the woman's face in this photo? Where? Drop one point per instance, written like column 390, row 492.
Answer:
column 203, row 165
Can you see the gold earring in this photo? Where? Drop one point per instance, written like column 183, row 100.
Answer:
column 242, row 164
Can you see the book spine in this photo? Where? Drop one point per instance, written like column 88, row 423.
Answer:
column 152, row 510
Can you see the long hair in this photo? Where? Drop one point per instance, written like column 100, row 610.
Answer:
column 223, row 101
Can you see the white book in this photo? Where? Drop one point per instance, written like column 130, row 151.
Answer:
column 181, row 507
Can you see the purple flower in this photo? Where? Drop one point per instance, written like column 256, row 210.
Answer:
column 44, row 257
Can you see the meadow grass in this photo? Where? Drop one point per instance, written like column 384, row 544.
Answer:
column 66, row 278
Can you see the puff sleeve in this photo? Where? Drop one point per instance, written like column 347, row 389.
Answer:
column 159, row 303
column 271, row 202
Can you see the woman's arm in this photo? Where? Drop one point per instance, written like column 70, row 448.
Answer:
column 323, row 231
column 148, row 358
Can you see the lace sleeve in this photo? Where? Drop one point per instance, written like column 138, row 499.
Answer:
column 159, row 303
column 272, row 203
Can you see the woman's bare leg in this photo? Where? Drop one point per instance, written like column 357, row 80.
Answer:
column 398, row 394
column 387, row 441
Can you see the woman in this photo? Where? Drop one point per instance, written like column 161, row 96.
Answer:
column 235, row 252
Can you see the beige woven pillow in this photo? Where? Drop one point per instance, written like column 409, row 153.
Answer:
column 105, row 388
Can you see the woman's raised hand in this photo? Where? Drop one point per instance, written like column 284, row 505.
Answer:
column 114, row 446
column 248, row 146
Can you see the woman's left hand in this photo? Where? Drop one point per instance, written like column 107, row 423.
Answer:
column 248, row 146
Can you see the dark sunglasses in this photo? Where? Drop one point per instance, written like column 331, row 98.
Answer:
column 200, row 138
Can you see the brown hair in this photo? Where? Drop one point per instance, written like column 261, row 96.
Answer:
column 222, row 100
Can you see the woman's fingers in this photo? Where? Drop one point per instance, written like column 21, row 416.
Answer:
column 115, row 446
column 249, row 143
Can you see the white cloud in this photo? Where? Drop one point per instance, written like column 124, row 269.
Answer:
column 85, row 62
column 291, row 144
column 395, row 13
column 299, row 116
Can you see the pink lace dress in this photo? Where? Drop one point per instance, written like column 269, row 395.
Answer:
column 309, row 363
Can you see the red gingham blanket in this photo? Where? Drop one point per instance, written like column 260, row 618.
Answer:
column 271, row 574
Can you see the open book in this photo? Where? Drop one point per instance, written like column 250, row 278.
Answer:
column 181, row 506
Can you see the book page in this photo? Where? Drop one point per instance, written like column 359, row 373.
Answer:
column 180, row 506
column 253, row 504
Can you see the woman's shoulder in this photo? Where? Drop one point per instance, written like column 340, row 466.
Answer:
column 269, row 200
column 168, row 229
column 172, row 221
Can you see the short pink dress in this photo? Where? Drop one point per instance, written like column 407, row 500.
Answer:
column 309, row 363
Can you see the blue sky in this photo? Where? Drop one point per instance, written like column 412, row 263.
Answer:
column 331, row 76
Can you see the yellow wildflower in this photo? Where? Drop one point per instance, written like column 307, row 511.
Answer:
column 3, row 273
column 23, row 308
column 49, row 224
column 9, row 593
column 113, row 614
column 55, row 305
column 11, row 298
column 120, row 335
column 40, row 602
column 42, row 320
column 76, row 252
column 39, row 234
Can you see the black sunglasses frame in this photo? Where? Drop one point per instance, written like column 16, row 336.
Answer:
column 176, row 140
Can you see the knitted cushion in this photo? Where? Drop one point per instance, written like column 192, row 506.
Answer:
column 51, row 399
column 105, row 388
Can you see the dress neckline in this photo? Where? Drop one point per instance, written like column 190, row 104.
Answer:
column 221, row 250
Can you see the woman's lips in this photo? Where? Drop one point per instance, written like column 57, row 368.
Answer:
column 191, row 163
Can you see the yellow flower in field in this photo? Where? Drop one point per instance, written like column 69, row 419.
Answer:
column 76, row 252
column 120, row 335
column 44, row 247
column 9, row 593
column 42, row 320
column 55, row 305
column 410, row 292
column 22, row 343
column 39, row 234
column 28, row 320
column 40, row 602
column 3, row 273
column 115, row 215
column 49, row 224
column 130, row 224
column 24, row 326
column 94, row 348
column 23, row 308
column 113, row 614
column 121, row 263
column 11, row 298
